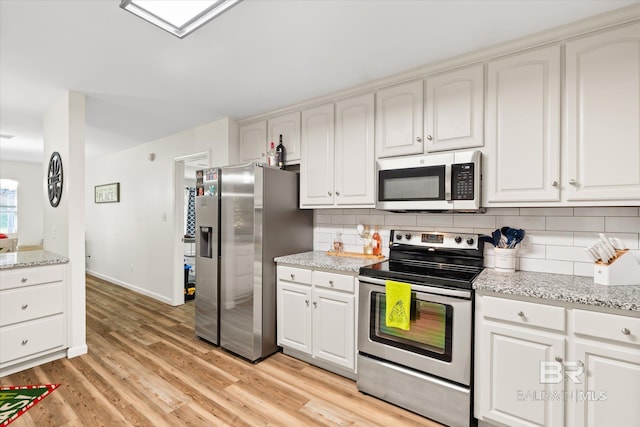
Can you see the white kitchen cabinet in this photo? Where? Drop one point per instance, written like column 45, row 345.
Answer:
column 512, row 339
column 522, row 158
column 453, row 109
column 33, row 320
column 253, row 142
column 399, row 120
column 287, row 125
column 316, row 317
column 338, row 166
column 602, row 116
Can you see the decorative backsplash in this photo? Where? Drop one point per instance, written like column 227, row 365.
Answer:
column 555, row 242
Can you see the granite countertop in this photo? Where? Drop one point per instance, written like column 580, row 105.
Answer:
column 30, row 259
column 573, row 289
column 320, row 259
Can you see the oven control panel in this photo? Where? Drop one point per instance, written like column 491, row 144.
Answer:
column 434, row 239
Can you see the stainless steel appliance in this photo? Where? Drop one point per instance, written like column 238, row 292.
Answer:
column 434, row 182
column 259, row 220
column 426, row 369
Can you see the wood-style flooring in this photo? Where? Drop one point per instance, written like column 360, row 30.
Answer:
column 145, row 367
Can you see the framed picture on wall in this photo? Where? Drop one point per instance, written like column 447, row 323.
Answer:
column 107, row 193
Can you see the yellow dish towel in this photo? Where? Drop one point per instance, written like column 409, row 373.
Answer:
column 398, row 304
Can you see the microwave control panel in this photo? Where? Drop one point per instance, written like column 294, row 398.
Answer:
column 462, row 181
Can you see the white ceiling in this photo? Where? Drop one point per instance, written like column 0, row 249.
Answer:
column 142, row 83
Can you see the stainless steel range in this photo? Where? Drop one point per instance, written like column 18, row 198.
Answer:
column 428, row 368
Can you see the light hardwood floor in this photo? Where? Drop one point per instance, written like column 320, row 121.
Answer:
column 146, row 367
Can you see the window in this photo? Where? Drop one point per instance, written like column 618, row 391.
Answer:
column 8, row 206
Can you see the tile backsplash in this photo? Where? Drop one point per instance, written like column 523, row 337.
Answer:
column 555, row 242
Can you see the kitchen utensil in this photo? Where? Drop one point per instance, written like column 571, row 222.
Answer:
column 617, row 243
column 518, row 236
column 592, row 252
column 607, row 245
column 604, row 256
column 497, row 235
column 591, row 255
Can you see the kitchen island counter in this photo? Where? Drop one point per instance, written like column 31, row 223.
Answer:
column 25, row 259
column 320, row 259
column 558, row 287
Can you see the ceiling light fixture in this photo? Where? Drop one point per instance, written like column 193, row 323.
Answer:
column 178, row 17
column 6, row 136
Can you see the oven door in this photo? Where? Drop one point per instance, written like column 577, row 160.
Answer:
column 438, row 341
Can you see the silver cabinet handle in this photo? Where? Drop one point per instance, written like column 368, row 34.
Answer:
column 558, row 359
column 573, row 182
column 329, row 193
column 625, row 331
column 24, row 306
column 520, row 314
column 24, row 280
column 293, row 276
column 337, row 193
column 315, row 304
column 580, row 364
column 24, row 342
column 554, row 184
column 306, row 302
column 418, row 139
column 331, row 283
column 261, row 154
column 429, row 137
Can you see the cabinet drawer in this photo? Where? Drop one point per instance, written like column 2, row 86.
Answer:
column 524, row 313
column 33, row 337
column 32, row 302
column 623, row 329
column 31, row 276
column 341, row 282
column 292, row 274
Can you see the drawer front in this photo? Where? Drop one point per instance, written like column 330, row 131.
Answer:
column 524, row 313
column 31, row 276
column 342, row 282
column 32, row 302
column 292, row 274
column 33, row 337
column 623, row 329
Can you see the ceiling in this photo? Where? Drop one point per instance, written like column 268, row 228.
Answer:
column 142, row 83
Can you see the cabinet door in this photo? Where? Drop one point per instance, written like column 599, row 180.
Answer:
column 354, row 157
column 253, row 142
column 288, row 126
column 399, row 120
column 453, row 110
column 294, row 316
column 510, row 387
column 334, row 327
column 317, row 153
column 610, row 385
column 523, row 127
column 602, row 111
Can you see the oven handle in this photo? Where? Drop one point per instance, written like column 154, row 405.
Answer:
column 422, row 288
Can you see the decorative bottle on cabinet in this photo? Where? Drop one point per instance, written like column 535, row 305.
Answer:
column 271, row 155
column 280, row 153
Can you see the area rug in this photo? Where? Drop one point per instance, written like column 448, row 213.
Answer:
column 16, row 400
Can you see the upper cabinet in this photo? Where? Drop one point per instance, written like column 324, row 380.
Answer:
column 523, row 127
column 453, row 109
column 603, row 116
column 399, row 120
column 253, row 142
column 338, row 165
column 288, row 126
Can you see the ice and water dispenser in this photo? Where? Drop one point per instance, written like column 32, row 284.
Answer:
column 205, row 242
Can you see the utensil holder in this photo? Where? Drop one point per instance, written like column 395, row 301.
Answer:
column 505, row 259
column 624, row 270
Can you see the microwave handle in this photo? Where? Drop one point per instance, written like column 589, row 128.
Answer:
column 447, row 183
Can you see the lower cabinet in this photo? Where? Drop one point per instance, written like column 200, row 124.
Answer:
column 316, row 317
column 544, row 365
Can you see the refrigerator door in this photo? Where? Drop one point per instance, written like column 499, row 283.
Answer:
column 207, row 258
column 240, row 328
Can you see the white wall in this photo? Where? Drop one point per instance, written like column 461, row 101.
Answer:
column 31, row 199
column 132, row 242
column 556, row 236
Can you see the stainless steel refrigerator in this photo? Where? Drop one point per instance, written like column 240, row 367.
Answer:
column 259, row 220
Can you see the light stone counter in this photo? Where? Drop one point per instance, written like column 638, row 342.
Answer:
column 320, row 259
column 547, row 286
column 29, row 259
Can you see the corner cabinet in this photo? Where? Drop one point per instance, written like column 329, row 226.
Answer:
column 316, row 317
column 523, row 128
column 287, row 125
column 253, row 142
column 453, row 109
column 338, row 165
column 602, row 116
column 33, row 319
column 399, row 115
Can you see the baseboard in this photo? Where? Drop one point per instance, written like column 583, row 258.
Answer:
column 77, row 351
column 131, row 287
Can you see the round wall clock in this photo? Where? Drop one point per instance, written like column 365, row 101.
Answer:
column 54, row 179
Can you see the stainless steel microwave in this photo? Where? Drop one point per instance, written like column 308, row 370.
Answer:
column 434, row 182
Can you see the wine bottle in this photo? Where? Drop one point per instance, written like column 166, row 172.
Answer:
column 280, row 152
